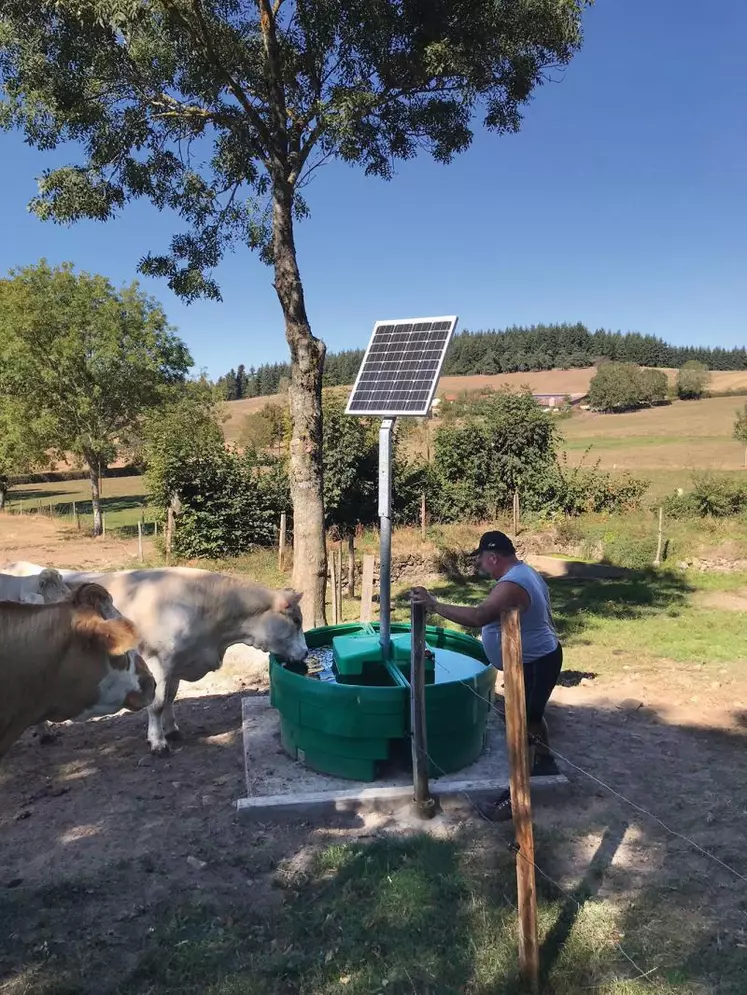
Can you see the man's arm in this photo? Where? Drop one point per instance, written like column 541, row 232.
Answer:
column 503, row 597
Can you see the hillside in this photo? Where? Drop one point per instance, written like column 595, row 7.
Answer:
column 548, row 382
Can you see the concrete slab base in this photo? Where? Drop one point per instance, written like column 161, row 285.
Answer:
column 280, row 788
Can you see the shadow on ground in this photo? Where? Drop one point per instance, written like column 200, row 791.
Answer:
column 575, row 603
column 130, row 875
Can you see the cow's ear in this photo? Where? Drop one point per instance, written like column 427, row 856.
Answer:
column 285, row 600
column 117, row 636
column 91, row 596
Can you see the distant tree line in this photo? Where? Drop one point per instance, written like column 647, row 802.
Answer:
column 512, row 350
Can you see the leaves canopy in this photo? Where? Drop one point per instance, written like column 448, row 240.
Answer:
column 80, row 362
column 740, row 425
column 206, row 106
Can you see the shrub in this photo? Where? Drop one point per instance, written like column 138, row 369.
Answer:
column 265, row 429
column 692, row 380
column 350, row 448
column 224, row 508
column 505, row 442
column 719, row 497
column 583, row 488
column 626, row 387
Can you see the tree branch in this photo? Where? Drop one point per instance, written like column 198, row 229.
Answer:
column 203, row 36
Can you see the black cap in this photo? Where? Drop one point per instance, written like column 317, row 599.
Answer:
column 495, row 542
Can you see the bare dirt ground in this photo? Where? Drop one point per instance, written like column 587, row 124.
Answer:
column 37, row 539
column 98, row 839
column 100, row 844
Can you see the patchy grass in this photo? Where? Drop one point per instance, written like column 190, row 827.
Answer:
column 123, row 501
column 391, row 917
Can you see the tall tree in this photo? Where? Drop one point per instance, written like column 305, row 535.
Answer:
column 21, row 449
column 221, row 109
column 82, row 362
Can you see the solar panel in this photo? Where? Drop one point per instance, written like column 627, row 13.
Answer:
column 401, row 367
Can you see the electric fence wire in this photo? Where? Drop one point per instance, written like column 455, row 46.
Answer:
column 613, row 791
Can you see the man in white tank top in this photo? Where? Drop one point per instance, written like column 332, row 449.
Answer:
column 517, row 586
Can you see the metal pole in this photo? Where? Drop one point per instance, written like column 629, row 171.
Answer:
column 385, row 541
column 521, row 802
column 424, row 804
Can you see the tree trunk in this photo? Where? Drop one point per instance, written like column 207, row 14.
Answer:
column 305, row 395
column 3, row 495
column 93, row 473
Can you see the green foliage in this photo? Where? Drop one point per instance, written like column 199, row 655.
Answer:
column 350, row 467
column 740, row 426
column 187, row 427
column 268, row 91
column 717, row 497
column 579, row 489
column 223, row 509
column 504, row 443
column 81, row 362
column 626, row 387
column 265, row 429
column 692, row 380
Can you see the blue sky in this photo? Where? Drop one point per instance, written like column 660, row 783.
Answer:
column 622, row 203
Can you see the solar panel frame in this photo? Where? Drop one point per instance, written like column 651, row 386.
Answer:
column 381, row 358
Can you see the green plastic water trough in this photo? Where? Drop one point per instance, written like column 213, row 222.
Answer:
column 358, row 720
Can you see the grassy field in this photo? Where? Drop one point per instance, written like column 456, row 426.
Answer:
column 673, row 439
column 123, row 501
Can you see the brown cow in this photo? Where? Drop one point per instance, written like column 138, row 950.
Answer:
column 65, row 661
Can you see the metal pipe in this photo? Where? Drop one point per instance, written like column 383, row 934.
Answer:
column 423, row 803
column 385, row 533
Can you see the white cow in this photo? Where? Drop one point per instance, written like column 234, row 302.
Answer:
column 188, row 618
column 46, row 588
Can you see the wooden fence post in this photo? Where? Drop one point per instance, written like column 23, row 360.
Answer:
column 423, row 804
column 351, row 565
column 103, row 523
column 75, row 511
column 140, row 540
column 516, row 513
column 339, row 583
column 367, row 583
column 169, row 529
column 281, row 540
column 423, row 516
column 77, row 520
column 657, row 561
column 333, row 584
column 521, row 802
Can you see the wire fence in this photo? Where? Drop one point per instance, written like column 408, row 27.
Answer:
column 641, row 973
column 79, row 514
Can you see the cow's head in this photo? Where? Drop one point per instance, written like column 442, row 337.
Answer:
column 109, row 643
column 52, row 587
column 280, row 628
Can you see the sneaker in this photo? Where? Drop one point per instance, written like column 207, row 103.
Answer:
column 544, row 766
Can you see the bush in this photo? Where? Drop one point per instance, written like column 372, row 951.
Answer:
column 626, row 387
column 718, row 497
column 351, row 460
column 582, row 489
column 692, row 380
column 225, row 509
column 505, row 442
